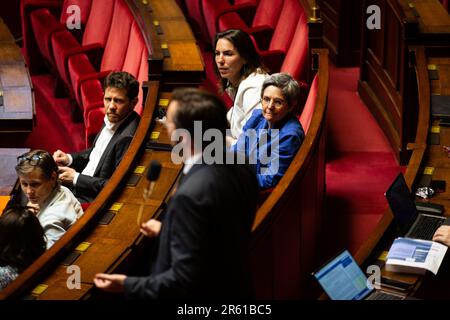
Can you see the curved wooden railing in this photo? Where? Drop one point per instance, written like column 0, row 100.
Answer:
column 287, row 225
column 28, row 279
column 418, row 149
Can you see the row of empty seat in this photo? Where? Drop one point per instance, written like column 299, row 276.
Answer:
column 278, row 27
column 109, row 40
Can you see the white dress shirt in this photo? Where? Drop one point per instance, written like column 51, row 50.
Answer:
column 100, row 145
column 189, row 162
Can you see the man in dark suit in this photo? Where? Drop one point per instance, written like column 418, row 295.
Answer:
column 204, row 237
column 86, row 172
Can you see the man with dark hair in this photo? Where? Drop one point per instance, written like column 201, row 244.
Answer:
column 86, row 172
column 204, row 238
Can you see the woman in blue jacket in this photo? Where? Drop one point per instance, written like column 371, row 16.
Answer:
column 273, row 135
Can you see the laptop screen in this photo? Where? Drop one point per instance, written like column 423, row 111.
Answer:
column 401, row 203
column 343, row 279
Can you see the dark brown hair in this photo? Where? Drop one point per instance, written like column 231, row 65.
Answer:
column 122, row 80
column 199, row 105
column 22, row 238
column 244, row 46
column 25, row 164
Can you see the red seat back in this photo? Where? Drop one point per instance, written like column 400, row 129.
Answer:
column 296, row 58
column 142, row 77
column 267, row 13
column 308, row 111
column 85, row 9
column 99, row 22
column 119, row 34
column 285, row 28
column 133, row 55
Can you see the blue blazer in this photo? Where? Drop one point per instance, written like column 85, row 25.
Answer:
column 271, row 150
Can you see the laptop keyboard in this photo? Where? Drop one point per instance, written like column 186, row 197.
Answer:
column 425, row 227
column 380, row 295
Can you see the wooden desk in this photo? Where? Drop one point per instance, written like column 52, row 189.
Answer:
column 386, row 77
column 424, row 155
column 16, row 91
column 8, row 176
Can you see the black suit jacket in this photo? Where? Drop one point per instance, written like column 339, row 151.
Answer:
column 87, row 188
column 203, row 244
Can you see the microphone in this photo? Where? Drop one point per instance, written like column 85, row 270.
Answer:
column 152, row 175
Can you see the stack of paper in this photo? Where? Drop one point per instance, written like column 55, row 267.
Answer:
column 415, row 256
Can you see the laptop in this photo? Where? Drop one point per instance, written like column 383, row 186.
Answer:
column 411, row 222
column 343, row 279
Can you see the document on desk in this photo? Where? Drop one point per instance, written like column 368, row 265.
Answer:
column 415, row 256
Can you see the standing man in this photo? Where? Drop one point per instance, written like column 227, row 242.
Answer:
column 86, row 172
column 204, row 239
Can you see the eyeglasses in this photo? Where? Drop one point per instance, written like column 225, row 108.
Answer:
column 33, row 160
column 277, row 103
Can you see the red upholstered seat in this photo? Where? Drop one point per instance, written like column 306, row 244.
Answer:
column 196, row 19
column 214, row 9
column 85, row 205
column 264, row 22
column 295, row 62
column 65, row 45
column 136, row 57
column 32, row 55
column 45, row 23
column 94, row 123
column 282, row 36
column 308, row 110
column 113, row 56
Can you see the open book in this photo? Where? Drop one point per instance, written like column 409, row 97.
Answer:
column 415, row 256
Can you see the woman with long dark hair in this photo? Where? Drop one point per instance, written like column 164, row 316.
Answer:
column 22, row 241
column 241, row 73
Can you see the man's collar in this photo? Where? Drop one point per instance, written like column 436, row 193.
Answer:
column 113, row 126
column 189, row 162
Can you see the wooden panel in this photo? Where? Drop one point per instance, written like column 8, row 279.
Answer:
column 393, row 49
column 8, row 176
column 17, row 101
column 176, row 29
column 342, row 21
column 166, row 9
column 433, row 17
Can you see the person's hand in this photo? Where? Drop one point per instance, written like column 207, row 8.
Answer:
column 110, row 282
column 34, row 207
column 442, row 235
column 60, row 158
column 151, row 228
column 66, row 175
